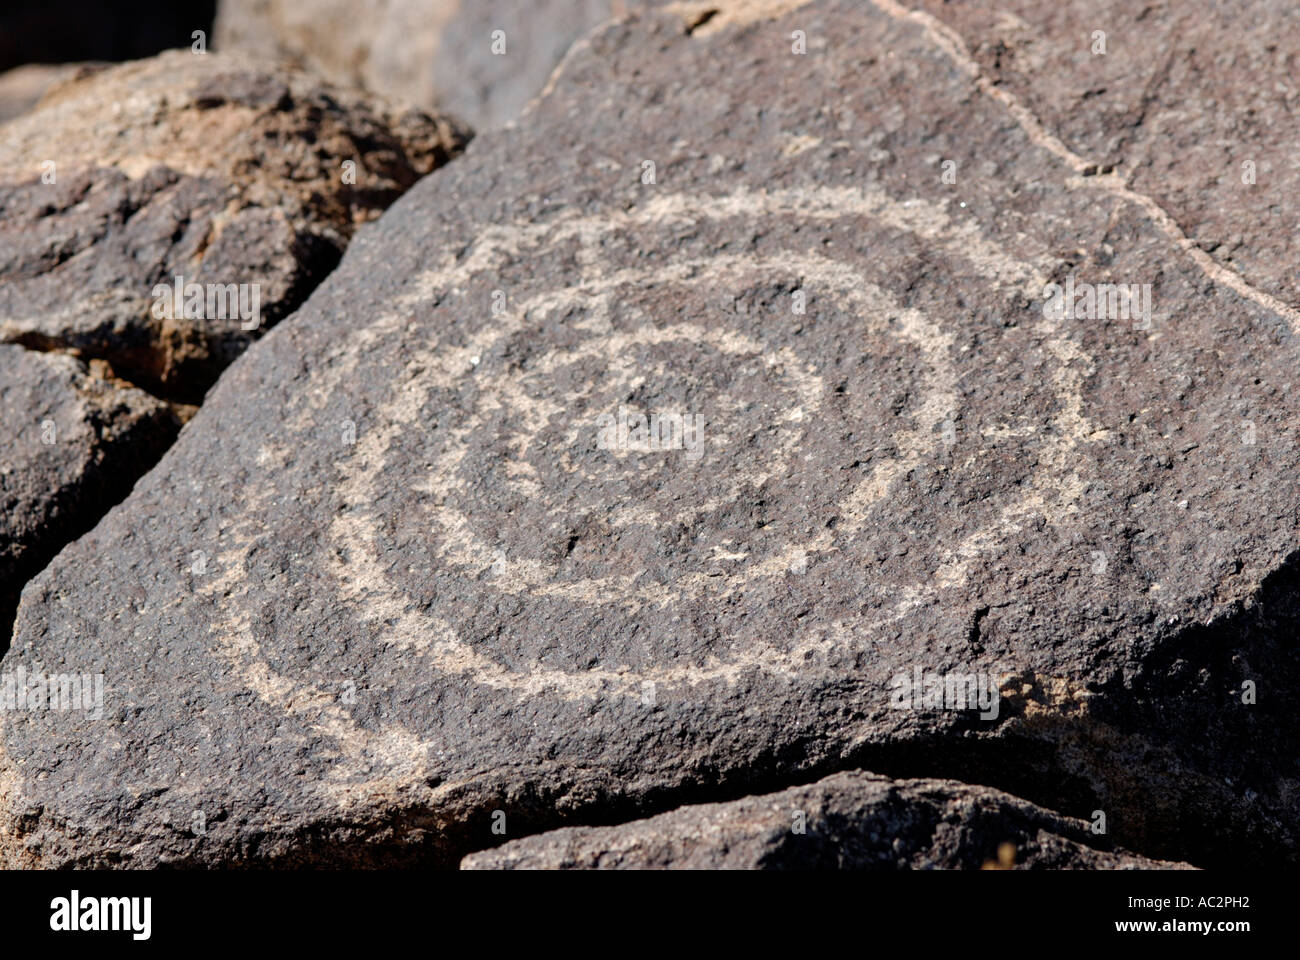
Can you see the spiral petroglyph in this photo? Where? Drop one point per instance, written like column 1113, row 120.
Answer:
column 796, row 393
column 675, row 444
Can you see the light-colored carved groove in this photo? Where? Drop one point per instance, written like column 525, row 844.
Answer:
column 362, row 580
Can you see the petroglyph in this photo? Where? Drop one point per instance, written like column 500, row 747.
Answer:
column 435, row 592
column 355, row 562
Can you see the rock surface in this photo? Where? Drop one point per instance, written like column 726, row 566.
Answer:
column 438, row 54
column 849, row 821
column 206, row 167
column 444, row 582
column 1188, row 102
column 22, row 87
column 73, row 443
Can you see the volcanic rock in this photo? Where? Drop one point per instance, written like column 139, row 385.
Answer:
column 1191, row 103
column 229, row 175
column 73, row 443
column 457, row 581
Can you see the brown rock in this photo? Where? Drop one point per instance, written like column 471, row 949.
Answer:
column 22, row 87
column 206, row 167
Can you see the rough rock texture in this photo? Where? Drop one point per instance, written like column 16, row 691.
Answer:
column 206, row 167
column 850, row 821
column 441, row 585
column 437, row 53
column 73, row 442
column 1185, row 96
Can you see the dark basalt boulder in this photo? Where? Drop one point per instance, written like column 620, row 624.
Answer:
column 454, row 574
column 226, row 173
column 73, row 442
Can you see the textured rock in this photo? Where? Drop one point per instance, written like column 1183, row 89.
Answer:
column 440, row 586
column 850, row 821
column 1187, row 103
column 205, row 167
column 71, row 445
column 438, row 54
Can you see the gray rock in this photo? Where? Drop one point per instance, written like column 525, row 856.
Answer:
column 72, row 442
column 446, row 587
column 1189, row 102
column 214, row 169
column 849, row 821
column 481, row 60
